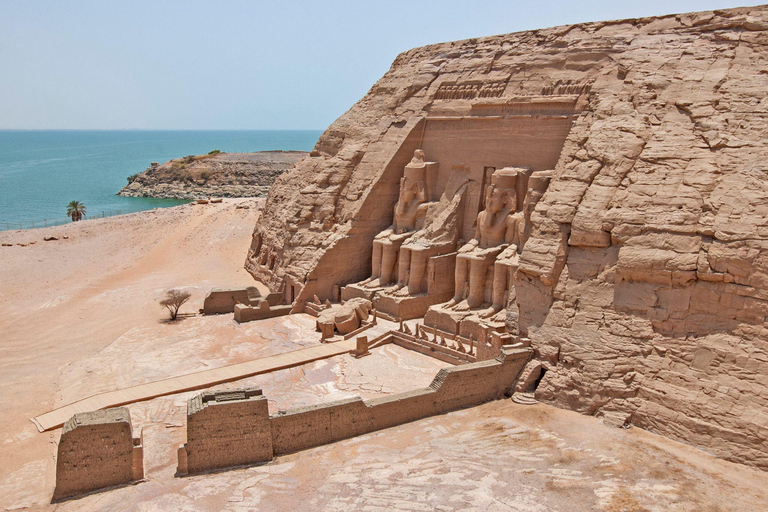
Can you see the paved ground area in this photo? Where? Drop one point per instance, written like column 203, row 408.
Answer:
column 497, row 457
column 209, row 378
column 192, row 381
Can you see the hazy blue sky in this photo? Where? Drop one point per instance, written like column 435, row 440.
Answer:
column 239, row 64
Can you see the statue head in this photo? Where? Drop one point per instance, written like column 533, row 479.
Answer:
column 413, row 182
column 537, row 185
column 502, row 193
column 417, row 160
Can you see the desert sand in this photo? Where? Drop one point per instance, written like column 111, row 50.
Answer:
column 80, row 315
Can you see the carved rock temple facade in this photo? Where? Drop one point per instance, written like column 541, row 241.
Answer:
column 598, row 191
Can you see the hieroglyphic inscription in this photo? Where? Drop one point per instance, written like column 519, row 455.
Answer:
column 470, row 91
column 565, row 88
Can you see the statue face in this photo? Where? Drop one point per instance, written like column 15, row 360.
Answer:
column 406, row 195
column 497, row 199
column 408, row 190
column 494, row 202
column 529, row 203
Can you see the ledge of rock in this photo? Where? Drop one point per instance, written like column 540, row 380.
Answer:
column 219, row 174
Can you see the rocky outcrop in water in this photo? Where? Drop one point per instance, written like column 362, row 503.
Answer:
column 220, row 175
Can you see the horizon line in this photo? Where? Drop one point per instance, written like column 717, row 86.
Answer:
column 161, row 129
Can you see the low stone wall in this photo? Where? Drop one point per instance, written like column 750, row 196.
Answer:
column 226, row 429
column 306, row 427
column 245, row 313
column 220, row 301
column 97, row 450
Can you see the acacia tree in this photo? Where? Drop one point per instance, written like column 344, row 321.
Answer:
column 75, row 210
column 173, row 300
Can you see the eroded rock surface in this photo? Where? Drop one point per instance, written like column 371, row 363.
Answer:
column 643, row 283
column 220, row 175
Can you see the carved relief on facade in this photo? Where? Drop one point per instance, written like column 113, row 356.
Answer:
column 470, row 91
column 563, row 88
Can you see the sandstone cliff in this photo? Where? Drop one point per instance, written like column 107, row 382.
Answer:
column 221, row 175
column 644, row 284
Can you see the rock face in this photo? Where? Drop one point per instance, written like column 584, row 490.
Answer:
column 220, row 175
column 642, row 279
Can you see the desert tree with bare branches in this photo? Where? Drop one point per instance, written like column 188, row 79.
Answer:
column 173, row 300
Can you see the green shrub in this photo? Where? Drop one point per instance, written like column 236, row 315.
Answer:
column 214, row 152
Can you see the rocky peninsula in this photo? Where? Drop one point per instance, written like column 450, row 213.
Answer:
column 215, row 174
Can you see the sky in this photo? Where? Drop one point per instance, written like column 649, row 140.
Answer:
column 240, row 65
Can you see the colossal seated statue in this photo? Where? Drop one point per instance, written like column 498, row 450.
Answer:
column 507, row 262
column 408, row 216
column 438, row 237
column 486, row 266
column 496, row 228
column 427, row 258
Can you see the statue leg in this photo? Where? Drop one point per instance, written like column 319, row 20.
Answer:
column 403, row 267
column 460, row 278
column 477, row 271
column 376, row 254
column 500, row 284
column 419, row 261
column 502, row 278
column 376, row 259
column 388, row 257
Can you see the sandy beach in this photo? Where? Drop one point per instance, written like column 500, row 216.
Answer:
column 80, row 315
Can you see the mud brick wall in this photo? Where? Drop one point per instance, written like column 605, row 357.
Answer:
column 453, row 388
column 226, row 429
column 97, row 450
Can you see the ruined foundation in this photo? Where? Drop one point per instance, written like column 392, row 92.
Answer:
column 263, row 311
column 220, row 301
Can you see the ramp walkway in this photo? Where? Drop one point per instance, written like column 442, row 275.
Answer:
column 192, row 381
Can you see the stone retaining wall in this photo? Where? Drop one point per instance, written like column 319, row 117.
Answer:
column 235, row 430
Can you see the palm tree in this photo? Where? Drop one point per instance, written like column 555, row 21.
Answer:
column 75, row 210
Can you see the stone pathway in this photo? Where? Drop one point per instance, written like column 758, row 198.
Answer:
column 192, row 381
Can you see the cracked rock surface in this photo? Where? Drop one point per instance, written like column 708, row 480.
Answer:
column 644, row 284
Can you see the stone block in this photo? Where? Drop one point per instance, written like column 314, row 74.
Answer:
column 226, row 429
column 97, row 450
